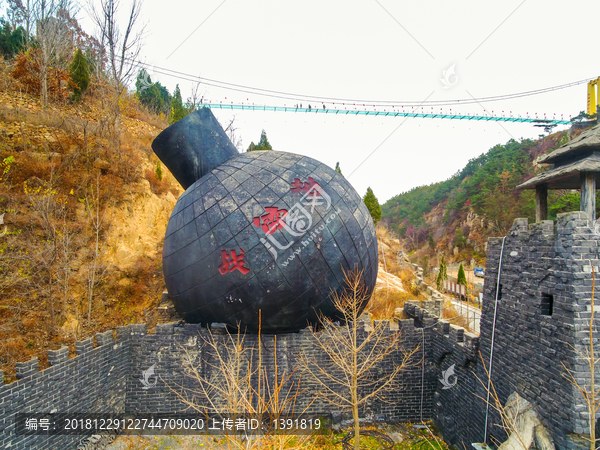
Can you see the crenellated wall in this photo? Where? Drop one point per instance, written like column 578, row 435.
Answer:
column 540, row 266
column 457, row 410
column 107, row 378
column 170, row 346
column 92, row 381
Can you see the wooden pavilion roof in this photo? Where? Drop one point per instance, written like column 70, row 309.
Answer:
column 580, row 147
column 566, row 176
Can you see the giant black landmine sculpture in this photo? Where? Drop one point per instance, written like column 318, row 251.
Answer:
column 262, row 231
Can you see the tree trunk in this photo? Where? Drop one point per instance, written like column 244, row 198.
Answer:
column 355, row 414
column 51, row 300
column 44, row 86
column 27, row 25
column 354, row 376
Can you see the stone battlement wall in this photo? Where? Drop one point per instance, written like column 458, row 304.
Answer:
column 544, row 304
column 543, row 311
column 446, row 336
column 93, row 380
column 107, row 378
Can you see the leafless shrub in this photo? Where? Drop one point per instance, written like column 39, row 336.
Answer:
column 353, row 353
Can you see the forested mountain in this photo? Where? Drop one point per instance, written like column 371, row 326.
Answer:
column 456, row 216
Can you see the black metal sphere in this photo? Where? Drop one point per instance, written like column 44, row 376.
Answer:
column 268, row 231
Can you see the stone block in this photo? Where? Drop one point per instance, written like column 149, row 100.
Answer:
column 165, row 328
column 24, row 369
column 456, row 333
column 105, row 338
column 82, row 347
column 443, row 326
column 59, row 356
column 519, row 225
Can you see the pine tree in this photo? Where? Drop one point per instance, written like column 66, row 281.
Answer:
column 152, row 95
column 142, row 82
column 158, row 170
column 338, row 169
column 11, row 41
column 263, row 144
column 80, row 74
column 442, row 275
column 178, row 111
column 461, row 277
column 372, row 205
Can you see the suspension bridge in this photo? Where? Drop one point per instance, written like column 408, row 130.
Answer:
column 393, row 112
column 381, row 108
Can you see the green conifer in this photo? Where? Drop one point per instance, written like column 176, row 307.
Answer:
column 372, row 205
column 178, row 111
column 152, row 95
column 80, row 74
column 12, row 41
column 461, row 277
column 442, row 275
column 263, row 144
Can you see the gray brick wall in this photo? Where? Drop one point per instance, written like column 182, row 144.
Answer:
column 106, row 378
column 529, row 347
column 171, row 345
column 91, row 381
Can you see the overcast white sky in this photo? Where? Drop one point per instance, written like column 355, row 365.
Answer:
column 380, row 50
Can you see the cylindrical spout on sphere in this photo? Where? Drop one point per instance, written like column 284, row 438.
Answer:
column 193, row 146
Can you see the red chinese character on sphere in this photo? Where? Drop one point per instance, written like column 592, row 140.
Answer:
column 271, row 221
column 233, row 261
column 299, row 186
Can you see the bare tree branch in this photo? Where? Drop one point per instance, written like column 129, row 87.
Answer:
column 347, row 378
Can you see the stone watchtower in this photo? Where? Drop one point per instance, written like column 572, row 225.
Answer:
column 542, row 316
column 543, row 307
column 536, row 313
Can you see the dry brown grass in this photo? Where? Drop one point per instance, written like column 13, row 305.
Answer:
column 71, row 145
column 452, row 315
column 141, row 113
column 387, row 235
column 383, row 304
column 385, row 300
column 159, row 187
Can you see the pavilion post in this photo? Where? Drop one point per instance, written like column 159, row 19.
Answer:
column 588, row 194
column 541, row 202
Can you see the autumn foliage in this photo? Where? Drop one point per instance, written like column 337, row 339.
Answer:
column 26, row 70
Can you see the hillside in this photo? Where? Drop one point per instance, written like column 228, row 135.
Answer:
column 85, row 205
column 85, row 210
column 455, row 217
